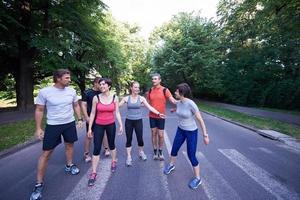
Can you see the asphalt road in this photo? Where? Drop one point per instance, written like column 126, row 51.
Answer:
column 237, row 164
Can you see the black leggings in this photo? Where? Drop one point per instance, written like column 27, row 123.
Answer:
column 136, row 125
column 99, row 131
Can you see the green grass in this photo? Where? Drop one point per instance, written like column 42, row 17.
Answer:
column 257, row 122
column 293, row 112
column 15, row 133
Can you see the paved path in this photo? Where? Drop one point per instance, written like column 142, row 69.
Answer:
column 13, row 116
column 238, row 164
column 284, row 117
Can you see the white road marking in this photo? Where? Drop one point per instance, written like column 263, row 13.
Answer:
column 83, row 191
column 214, row 185
column 261, row 176
column 261, row 149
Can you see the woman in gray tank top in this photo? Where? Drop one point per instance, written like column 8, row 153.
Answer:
column 134, row 121
column 187, row 111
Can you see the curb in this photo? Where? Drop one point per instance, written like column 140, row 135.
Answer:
column 17, row 147
column 274, row 135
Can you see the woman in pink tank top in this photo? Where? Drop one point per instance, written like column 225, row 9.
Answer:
column 104, row 111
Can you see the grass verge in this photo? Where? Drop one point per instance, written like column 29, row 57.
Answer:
column 257, row 122
column 292, row 112
column 16, row 133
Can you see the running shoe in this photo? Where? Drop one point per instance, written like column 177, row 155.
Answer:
column 72, row 169
column 92, row 179
column 195, row 182
column 87, row 158
column 106, row 153
column 37, row 192
column 161, row 155
column 113, row 166
column 143, row 156
column 129, row 162
column 168, row 169
column 155, row 155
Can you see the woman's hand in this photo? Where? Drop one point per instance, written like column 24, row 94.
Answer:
column 90, row 134
column 162, row 115
column 205, row 139
column 120, row 130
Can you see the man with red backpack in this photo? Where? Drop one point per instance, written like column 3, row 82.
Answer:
column 157, row 97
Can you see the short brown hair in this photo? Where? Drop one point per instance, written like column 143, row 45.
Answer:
column 106, row 80
column 59, row 73
column 184, row 90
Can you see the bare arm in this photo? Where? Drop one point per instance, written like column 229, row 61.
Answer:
column 172, row 100
column 123, row 101
column 78, row 113
column 144, row 101
column 118, row 116
column 39, row 113
column 203, row 127
column 84, row 110
column 92, row 115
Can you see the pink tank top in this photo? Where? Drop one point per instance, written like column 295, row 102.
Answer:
column 105, row 113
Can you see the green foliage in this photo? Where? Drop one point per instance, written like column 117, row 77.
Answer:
column 263, row 53
column 187, row 48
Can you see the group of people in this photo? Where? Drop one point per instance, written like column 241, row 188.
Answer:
column 101, row 110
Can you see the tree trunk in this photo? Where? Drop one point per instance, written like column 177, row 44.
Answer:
column 24, row 82
column 24, row 73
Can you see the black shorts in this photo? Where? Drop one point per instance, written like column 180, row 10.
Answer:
column 157, row 123
column 53, row 135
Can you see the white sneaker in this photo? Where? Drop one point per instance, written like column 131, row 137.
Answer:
column 143, row 156
column 129, row 162
column 161, row 156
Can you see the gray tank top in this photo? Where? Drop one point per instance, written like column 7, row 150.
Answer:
column 134, row 109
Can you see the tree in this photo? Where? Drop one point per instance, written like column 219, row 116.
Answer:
column 261, row 49
column 187, row 48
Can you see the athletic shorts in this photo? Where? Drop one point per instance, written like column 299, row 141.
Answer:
column 157, row 123
column 53, row 134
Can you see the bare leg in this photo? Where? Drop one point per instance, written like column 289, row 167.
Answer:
column 154, row 132
column 128, row 149
column 42, row 165
column 197, row 171
column 95, row 162
column 105, row 145
column 172, row 160
column 113, row 155
column 87, row 144
column 69, row 153
column 160, row 138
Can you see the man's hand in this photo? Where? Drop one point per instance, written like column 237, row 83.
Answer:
column 80, row 124
column 39, row 134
